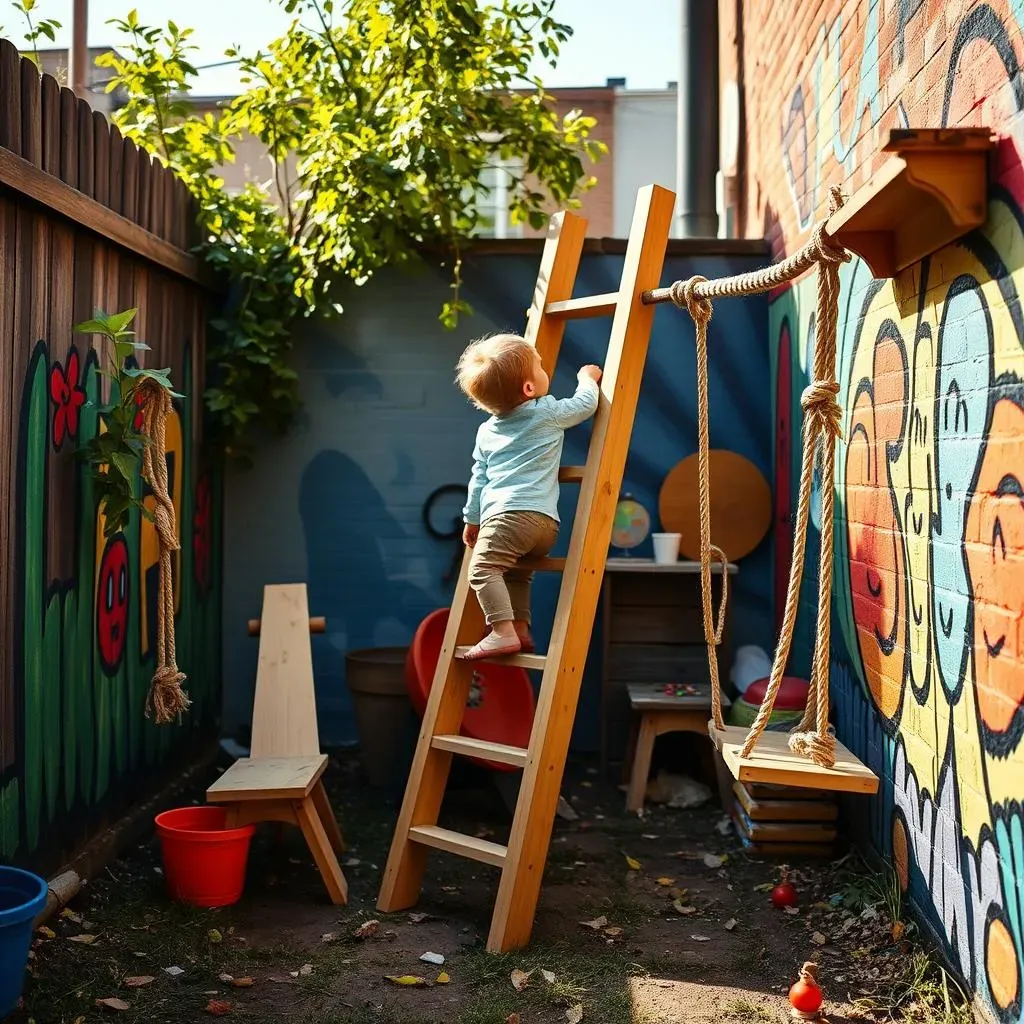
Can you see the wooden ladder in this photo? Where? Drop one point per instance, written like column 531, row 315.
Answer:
column 522, row 861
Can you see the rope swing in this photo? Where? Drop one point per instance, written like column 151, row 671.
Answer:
column 166, row 699
column 813, row 737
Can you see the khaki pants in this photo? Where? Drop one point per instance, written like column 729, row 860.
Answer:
column 503, row 588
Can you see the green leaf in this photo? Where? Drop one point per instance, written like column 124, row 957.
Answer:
column 127, row 465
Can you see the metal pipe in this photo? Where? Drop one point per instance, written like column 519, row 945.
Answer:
column 697, row 120
column 78, row 56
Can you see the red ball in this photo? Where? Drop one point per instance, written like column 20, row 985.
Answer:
column 784, row 895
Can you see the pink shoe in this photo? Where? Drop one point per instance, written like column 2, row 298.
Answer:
column 526, row 644
column 493, row 646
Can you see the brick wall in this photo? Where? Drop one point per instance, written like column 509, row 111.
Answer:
column 927, row 668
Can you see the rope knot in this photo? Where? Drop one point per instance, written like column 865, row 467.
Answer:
column 819, row 400
column 684, row 295
column 819, row 747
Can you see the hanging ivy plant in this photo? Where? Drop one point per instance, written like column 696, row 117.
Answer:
column 115, row 453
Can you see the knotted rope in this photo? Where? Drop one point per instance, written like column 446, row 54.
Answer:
column 166, row 698
column 813, row 737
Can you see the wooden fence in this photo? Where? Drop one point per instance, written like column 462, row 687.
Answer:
column 88, row 221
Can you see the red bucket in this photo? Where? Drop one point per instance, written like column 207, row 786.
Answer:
column 204, row 862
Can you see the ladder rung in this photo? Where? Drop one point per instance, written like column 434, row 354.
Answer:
column 533, row 661
column 570, row 474
column 543, row 564
column 468, row 747
column 579, row 309
column 455, row 842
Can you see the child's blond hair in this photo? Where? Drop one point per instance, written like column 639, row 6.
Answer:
column 492, row 372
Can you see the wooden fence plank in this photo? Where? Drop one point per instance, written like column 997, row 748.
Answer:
column 31, row 114
column 130, row 181
column 157, row 185
column 10, row 97
column 69, row 138
column 115, row 200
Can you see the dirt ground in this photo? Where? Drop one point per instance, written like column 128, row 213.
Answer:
column 684, row 939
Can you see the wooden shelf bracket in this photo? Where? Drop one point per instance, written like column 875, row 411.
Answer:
column 930, row 192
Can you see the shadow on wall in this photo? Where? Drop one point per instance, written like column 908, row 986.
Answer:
column 344, row 555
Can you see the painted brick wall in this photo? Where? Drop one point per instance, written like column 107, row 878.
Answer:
column 927, row 673
column 338, row 502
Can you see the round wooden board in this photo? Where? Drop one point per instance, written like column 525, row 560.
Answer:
column 741, row 505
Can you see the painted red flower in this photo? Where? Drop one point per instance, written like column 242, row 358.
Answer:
column 140, row 415
column 68, row 397
column 202, row 533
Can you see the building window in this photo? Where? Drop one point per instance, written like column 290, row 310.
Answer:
column 499, row 177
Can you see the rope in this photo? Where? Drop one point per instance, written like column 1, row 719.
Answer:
column 167, row 700
column 813, row 736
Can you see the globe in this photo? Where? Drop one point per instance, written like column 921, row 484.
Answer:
column 631, row 524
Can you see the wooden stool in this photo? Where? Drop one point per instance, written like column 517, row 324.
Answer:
column 661, row 713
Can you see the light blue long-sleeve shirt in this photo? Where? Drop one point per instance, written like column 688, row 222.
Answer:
column 516, row 458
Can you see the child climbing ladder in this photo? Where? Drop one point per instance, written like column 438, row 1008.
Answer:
column 522, row 860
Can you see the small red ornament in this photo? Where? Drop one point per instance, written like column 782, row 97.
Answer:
column 784, row 894
column 805, row 996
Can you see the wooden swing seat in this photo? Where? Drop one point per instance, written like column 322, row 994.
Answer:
column 772, row 761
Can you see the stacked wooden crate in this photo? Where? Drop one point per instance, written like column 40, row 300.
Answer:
column 783, row 821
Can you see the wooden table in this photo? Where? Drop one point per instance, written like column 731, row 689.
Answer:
column 661, row 713
column 653, row 633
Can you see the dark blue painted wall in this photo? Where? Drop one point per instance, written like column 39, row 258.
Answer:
column 338, row 502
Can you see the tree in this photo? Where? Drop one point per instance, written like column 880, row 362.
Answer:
column 388, row 111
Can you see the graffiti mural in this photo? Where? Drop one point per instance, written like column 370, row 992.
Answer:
column 928, row 666
column 81, row 647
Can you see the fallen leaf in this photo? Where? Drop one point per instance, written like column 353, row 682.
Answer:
column 730, row 924
column 352, row 862
column 85, row 939
column 226, row 978
column 139, row 981
column 634, row 864
column 680, row 908
column 329, row 937
column 418, row 918
column 597, row 924
column 405, row 979
column 764, row 887
column 792, row 911
column 443, row 978
column 366, row 929
column 520, row 979
column 897, row 931
column 818, row 939
column 723, row 826
column 217, row 1008
column 666, row 881
column 675, row 893
column 714, row 860
column 242, row 982
column 174, row 972
column 574, row 1014
column 113, row 1004
column 305, row 970
column 436, row 959
column 613, row 932
column 700, row 938
column 69, row 915
column 649, row 835
column 548, row 976
column 821, row 905
column 46, row 933
column 513, row 1018
column 214, row 936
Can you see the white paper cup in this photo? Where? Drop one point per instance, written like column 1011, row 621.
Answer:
column 666, row 547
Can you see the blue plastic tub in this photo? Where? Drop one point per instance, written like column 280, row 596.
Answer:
column 22, row 898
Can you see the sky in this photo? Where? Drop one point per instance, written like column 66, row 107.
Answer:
column 609, row 40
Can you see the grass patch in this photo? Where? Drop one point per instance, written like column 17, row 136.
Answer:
column 921, row 991
column 743, row 1009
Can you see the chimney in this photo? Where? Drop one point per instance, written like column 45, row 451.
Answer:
column 697, row 121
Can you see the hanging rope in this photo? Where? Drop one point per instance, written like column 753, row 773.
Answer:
column 822, row 426
column 166, row 700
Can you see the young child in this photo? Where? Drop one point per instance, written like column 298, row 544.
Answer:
column 512, row 509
